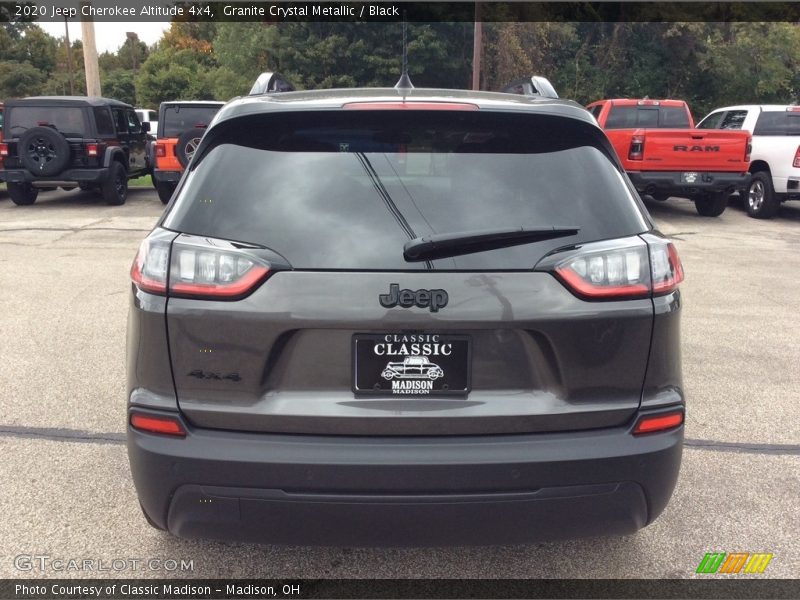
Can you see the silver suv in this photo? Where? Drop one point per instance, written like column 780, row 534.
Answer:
column 320, row 238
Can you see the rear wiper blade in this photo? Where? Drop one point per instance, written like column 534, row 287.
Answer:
column 445, row 245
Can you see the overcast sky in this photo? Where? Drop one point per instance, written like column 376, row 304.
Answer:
column 109, row 36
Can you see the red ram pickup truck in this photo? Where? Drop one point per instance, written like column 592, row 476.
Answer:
column 664, row 155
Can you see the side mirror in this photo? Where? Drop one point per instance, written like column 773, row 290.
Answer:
column 146, row 126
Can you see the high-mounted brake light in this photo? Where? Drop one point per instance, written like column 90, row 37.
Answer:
column 158, row 424
column 658, row 423
column 795, row 162
column 636, row 151
column 91, row 149
column 3, row 149
column 160, row 150
column 394, row 105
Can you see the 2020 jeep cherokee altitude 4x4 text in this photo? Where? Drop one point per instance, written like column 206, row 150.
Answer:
column 300, row 260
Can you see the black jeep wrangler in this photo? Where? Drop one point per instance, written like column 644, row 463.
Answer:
column 72, row 141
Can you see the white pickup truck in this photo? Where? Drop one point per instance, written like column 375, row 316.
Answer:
column 775, row 156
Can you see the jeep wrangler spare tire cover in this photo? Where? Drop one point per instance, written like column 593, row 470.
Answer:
column 187, row 144
column 44, row 151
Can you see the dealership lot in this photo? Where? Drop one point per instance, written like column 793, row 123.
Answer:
column 66, row 486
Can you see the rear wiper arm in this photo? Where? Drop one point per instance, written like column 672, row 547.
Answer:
column 444, row 245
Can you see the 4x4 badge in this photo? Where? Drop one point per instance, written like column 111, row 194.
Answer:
column 433, row 299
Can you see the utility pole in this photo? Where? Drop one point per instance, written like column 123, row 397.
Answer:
column 476, row 49
column 68, row 48
column 91, row 66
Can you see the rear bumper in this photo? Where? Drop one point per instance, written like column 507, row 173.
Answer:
column 670, row 182
column 328, row 490
column 94, row 175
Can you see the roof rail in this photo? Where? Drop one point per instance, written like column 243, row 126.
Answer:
column 268, row 83
column 533, row 86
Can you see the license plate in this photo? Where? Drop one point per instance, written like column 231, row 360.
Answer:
column 690, row 177
column 411, row 364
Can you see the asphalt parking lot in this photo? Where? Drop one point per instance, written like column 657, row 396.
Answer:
column 66, row 490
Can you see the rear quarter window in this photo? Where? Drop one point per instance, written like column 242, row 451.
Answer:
column 346, row 190
column 104, row 122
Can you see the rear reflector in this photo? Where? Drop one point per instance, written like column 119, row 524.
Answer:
column 158, row 424
column 658, row 423
column 394, row 105
column 3, row 149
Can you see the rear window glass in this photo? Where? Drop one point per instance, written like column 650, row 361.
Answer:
column 346, row 190
column 178, row 119
column 777, row 123
column 70, row 121
column 628, row 117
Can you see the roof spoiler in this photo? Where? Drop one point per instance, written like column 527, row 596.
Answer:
column 534, row 86
column 268, row 83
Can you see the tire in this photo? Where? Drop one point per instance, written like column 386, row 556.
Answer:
column 22, row 194
column 165, row 191
column 115, row 187
column 187, row 144
column 711, row 204
column 760, row 201
column 43, row 151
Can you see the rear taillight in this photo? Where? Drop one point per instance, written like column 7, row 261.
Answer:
column 748, row 149
column 662, row 422
column 619, row 270
column 207, row 273
column 161, row 150
column 636, row 151
column 197, row 270
column 158, row 424
column 795, row 162
column 3, row 149
column 91, row 150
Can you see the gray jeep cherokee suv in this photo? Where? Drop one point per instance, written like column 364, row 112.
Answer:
column 319, row 240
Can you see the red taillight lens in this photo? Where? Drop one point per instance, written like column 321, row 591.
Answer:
column 748, row 149
column 619, row 270
column 197, row 268
column 666, row 268
column 3, row 149
column 91, row 149
column 158, row 424
column 149, row 269
column 795, row 162
column 658, row 423
column 200, row 272
column 161, row 150
column 636, row 151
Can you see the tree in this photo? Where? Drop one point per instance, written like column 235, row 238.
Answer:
column 118, row 84
column 170, row 74
column 18, row 79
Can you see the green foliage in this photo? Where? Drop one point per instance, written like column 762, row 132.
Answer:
column 170, row 74
column 19, row 79
column 118, row 84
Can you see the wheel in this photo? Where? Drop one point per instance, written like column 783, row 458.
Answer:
column 761, row 202
column 164, row 191
column 43, row 151
column 711, row 204
column 22, row 194
column 115, row 188
column 187, row 145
